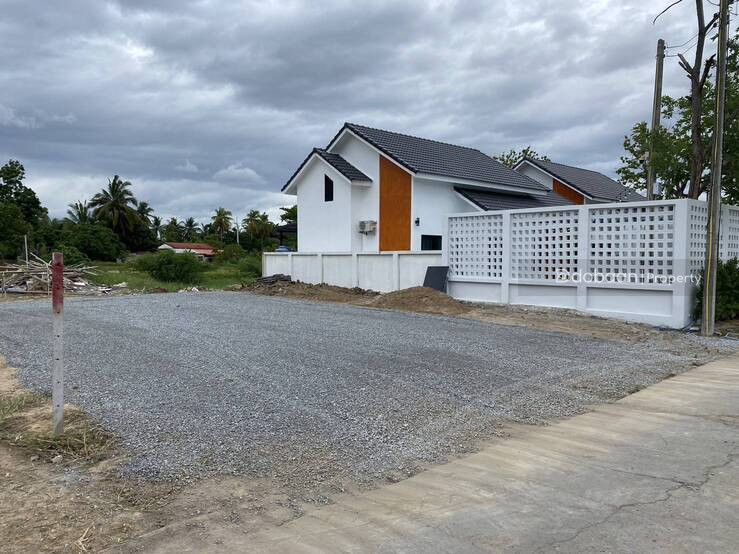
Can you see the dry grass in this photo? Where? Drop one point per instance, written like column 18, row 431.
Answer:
column 25, row 422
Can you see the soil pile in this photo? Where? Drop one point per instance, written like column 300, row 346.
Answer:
column 420, row 299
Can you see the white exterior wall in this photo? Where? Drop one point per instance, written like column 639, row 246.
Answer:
column 365, row 198
column 432, row 202
column 537, row 175
column 323, row 226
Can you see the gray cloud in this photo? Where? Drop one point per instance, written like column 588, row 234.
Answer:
column 202, row 104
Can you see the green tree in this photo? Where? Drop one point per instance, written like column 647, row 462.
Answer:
column 289, row 215
column 190, row 229
column 258, row 226
column 12, row 228
column 79, row 212
column 97, row 242
column 512, row 157
column 674, row 149
column 12, row 190
column 173, row 231
column 156, row 227
column 222, row 221
column 115, row 205
column 145, row 212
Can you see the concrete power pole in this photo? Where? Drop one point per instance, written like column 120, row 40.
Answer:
column 708, row 319
column 656, row 113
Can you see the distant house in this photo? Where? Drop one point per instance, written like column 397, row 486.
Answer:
column 200, row 249
column 372, row 190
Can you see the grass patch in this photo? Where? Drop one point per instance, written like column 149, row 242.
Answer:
column 25, row 422
column 215, row 276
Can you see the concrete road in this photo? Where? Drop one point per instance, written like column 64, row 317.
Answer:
column 654, row 472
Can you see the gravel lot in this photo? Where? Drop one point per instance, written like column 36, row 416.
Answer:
column 198, row 384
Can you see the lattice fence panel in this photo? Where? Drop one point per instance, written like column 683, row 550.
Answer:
column 544, row 244
column 476, row 246
column 730, row 233
column 697, row 221
column 632, row 243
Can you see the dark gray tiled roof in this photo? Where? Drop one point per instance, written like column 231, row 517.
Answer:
column 592, row 183
column 439, row 158
column 341, row 165
column 335, row 161
column 491, row 200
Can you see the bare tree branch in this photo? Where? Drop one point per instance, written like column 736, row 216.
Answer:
column 707, row 70
column 665, row 10
column 685, row 65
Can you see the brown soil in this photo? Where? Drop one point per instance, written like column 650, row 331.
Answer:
column 323, row 293
column 79, row 504
column 74, row 503
column 420, row 299
column 426, row 300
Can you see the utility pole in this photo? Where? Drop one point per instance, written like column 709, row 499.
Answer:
column 714, row 194
column 656, row 113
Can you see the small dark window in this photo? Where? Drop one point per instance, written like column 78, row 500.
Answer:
column 430, row 242
column 328, row 189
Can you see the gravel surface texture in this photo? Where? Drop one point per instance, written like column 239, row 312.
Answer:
column 198, row 384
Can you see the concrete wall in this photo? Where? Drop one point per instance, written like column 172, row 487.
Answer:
column 384, row 272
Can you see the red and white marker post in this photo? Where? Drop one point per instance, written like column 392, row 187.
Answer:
column 57, row 305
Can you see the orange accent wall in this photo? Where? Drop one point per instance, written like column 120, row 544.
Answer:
column 569, row 193
column 395, row 207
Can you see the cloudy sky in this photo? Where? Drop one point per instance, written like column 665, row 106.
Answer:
column 214, row 103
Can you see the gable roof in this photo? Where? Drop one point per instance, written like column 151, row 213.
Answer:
column 421, row 155
column 335, row 161
column 341, row 165
column 591, row 183
column 493, row 200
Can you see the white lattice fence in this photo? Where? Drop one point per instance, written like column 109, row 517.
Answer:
column 636, row 242
column 544, row 244
column 476, row 247
column 696, row 236
column 730, row 232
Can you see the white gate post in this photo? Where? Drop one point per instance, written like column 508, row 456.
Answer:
column 505, row 272
column 583, row 254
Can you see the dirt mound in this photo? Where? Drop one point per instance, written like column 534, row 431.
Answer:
column 420, row 299
column 325, row 293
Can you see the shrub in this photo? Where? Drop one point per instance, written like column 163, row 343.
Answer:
column 72, row 256
column 230, row 253
column 251, row 266
column 727, row 291
column 168, row 266
column 94, row 241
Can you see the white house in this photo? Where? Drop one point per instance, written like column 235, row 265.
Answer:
column 371, row 190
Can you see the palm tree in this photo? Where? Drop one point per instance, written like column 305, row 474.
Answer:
column 114, row 204
column 222, row 221
column 289, row 215
column 173, row 231
column 145, row 211
column 258, row 225
column 79, row 212
column 190, row 229
column 156, row 226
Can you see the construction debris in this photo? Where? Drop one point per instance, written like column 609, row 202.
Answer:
column 272, row 279
column 34, row 276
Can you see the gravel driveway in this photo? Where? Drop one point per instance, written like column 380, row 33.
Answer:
column 198, row 384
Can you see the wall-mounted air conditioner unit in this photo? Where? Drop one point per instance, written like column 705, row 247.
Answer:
column 367, row 227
